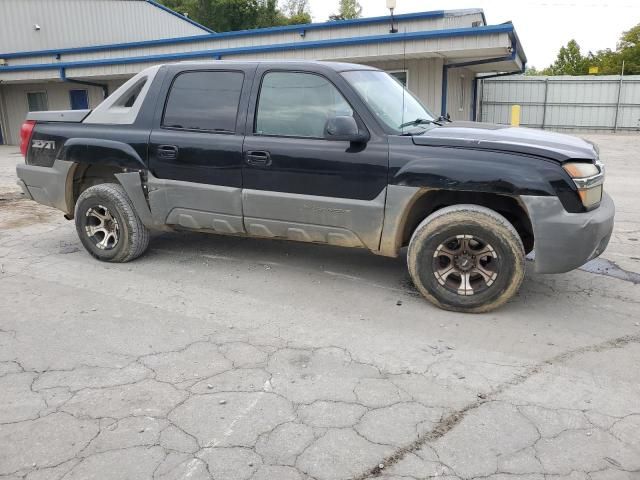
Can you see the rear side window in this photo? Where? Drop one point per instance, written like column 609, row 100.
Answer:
column 206, row 101
column 129, row 99
column 296, row 104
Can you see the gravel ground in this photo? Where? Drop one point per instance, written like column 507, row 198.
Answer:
column 229, row 358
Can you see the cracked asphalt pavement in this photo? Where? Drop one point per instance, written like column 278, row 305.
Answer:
column 241, row 359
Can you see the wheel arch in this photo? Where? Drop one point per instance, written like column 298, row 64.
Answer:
column 100, row 151
column 84, row 175
column 96, row 161
column 427, row 201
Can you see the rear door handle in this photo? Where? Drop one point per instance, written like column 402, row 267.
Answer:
column 258, row 158
column 168, row 152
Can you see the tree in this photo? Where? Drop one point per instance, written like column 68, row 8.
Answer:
column 532, row 72
column 227, row 15
column 629, row 50
column 269, row 14
column 188, row 8
column 609, row 62
column 569, row 62
column 348, row 9
column 297, row 11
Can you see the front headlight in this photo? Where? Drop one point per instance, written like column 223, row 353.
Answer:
column 588, row 179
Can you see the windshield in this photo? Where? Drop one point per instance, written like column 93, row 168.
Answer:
column 386, row 97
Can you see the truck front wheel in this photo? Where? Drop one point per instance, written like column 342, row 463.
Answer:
column 466, row 258
column 108, row 225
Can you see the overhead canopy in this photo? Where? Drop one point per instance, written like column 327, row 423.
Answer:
column 458, row 36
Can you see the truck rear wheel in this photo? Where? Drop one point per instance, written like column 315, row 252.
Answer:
column 108, row 225
column 466, row 258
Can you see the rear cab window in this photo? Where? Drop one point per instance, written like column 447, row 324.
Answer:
column 204, row 101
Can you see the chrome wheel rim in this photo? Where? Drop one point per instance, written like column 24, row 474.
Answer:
column 102, row 227
column 465, row 265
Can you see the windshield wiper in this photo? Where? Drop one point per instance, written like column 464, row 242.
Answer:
column 419, row 121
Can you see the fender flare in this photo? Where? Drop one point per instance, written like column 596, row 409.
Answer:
column 132, row 184
column 96, row 151
column 103, row 152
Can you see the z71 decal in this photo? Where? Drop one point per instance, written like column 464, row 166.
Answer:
column 44, row 144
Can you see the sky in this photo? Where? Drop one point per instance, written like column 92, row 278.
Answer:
column 543, row 26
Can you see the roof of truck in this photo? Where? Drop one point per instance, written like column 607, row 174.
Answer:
column 337, row 66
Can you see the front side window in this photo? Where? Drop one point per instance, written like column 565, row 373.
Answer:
column 295, row 104
column 393, row 104
column 204, row 101
column 37, row 101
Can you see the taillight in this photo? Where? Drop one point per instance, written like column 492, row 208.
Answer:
column 25, row 136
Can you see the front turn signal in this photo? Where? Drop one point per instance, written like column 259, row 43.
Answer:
column 581, row 170
column 588, row 178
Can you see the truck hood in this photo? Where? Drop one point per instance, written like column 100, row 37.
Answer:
column 527, row 141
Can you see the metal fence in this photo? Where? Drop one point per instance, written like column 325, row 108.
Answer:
column 591, row 104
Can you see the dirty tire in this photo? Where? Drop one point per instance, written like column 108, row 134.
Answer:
column 469, row 221
column 133, row 236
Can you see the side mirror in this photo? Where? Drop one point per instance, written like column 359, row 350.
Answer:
column 344, row 128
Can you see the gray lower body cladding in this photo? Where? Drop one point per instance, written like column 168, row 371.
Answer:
column 258, row 213
column 195, row 205
column 46, row 185
column 332, row 220
column 565, row 241
column 230, row 210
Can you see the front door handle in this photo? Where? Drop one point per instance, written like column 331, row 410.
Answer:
column 167, row 152
column 258, row 158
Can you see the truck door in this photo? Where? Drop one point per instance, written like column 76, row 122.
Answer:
column 297, row 184
column 195, row 151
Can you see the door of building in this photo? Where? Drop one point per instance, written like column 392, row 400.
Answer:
column 79, row 99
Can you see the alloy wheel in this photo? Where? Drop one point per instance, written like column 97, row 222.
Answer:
column 102, row 227
column 465, row 264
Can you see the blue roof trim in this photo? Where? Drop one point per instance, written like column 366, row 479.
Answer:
column 113, row 46
column 181, row 17
column 386, row 38
column 223, row 35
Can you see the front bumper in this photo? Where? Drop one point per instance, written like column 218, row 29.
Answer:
column 46, row 185
column 565, row 241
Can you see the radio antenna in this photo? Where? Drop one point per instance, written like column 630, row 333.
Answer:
column 404, row 68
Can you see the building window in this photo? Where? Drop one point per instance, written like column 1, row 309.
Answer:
column 401, row 75
column 79, row 99
column 296, row 104
column 204, row 101
column 37, row 101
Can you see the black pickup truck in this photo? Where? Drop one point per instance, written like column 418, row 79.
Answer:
column 319, row 152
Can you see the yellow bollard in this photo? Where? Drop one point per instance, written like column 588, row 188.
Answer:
column 515, row 115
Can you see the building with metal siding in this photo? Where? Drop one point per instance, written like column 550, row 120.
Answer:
column 440, row 53
column 84, row 22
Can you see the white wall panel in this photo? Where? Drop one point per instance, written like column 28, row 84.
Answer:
column 77, row 23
